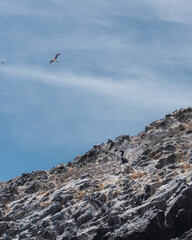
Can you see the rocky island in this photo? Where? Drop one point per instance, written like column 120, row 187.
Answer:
column 130, row 188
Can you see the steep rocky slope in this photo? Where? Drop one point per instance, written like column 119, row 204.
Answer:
column 129, row 188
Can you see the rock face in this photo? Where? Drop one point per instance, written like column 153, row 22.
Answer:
column 130, row 188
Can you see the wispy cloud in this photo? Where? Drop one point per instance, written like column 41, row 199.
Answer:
column 141, row 91
column 172, row 10
column 76, row 105
column 25, row 8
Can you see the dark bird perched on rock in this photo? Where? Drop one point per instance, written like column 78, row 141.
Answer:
column 123, row 159
column 55, row 58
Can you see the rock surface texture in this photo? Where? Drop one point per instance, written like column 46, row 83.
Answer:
column 130, row 188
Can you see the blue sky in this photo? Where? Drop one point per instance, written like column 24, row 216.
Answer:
column 123, row 64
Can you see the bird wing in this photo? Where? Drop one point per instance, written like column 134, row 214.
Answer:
column 57, row 55
column 52, row 60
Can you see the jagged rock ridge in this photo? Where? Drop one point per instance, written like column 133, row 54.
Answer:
column 126, row 189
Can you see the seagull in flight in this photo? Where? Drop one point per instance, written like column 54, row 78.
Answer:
column 55, row 58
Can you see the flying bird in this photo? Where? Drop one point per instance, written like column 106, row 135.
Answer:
column 2, row 62
column 55, row 58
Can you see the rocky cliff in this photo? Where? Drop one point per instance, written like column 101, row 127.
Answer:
column 126, row 189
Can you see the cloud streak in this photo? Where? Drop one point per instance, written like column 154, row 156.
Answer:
column 172, row 10
column 144, row 91
column 24, row 8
